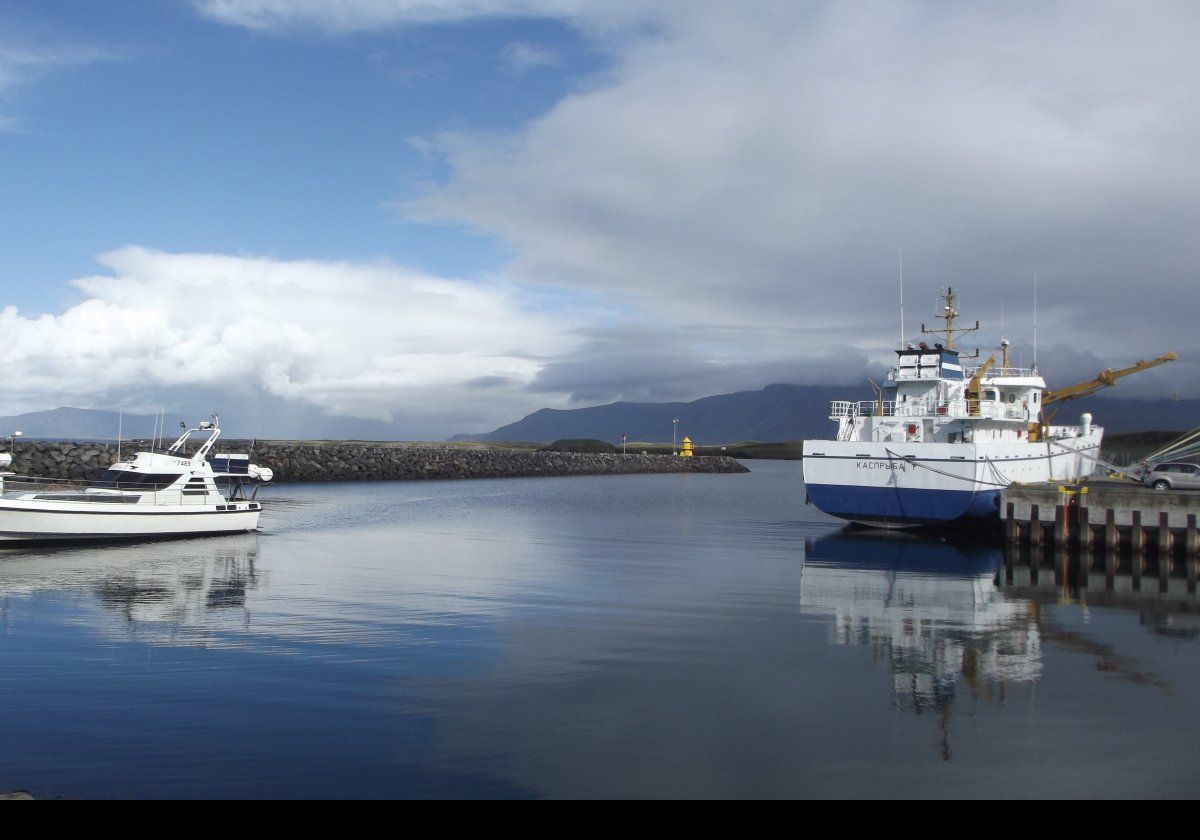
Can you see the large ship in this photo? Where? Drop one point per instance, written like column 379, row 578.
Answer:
column 944, row 436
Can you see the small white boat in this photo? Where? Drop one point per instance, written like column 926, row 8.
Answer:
column 157, row 494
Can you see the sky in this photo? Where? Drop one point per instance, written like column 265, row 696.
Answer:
column 416, row 218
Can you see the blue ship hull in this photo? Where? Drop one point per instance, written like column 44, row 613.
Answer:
column 898, row 507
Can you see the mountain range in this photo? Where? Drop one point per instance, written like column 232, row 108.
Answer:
column 78, row 424
column 774, row 413
column 785, row 412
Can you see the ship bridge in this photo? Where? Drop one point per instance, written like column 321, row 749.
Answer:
column 917, row 364
column 930, row 395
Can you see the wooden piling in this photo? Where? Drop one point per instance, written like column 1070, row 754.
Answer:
column 1112, row 537
column 1165, row 543
column 1137, row 546
column 1062, row 526
column 1035, row 526
column 1085, row 529
column 1190, row 547
column 1164, row 551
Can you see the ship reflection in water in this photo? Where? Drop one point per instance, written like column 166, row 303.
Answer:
column 157, row 588
column 931, row 609
column 948, row 617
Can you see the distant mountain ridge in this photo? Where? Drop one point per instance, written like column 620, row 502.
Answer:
column 774, row 413
column 785, row 412
column 78, row 424
column 777, row 412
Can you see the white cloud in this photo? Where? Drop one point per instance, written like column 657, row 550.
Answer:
column 522, row 56
column 21, row 63
column 359, row 15
column 757, row 166
column 749, row 170
column 365, row 341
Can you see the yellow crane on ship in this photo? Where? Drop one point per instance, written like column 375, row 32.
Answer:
column 977, row 380
column 1104, row 379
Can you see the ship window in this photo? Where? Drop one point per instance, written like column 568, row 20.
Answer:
column 135, row 480
column 1012, row 399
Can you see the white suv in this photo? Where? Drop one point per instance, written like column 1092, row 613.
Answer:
column 1173, row 476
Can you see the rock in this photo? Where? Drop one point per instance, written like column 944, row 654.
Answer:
column 357, row 462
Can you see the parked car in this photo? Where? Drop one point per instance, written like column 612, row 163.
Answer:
column 1173, row 476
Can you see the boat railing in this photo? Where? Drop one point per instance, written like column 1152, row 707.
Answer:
column 999, row 372
column 880, row 408
column 987, row 409
column 82, row 491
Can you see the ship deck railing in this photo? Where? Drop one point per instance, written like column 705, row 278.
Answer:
column 80, row 491
column 999, row 372
column 988, row 409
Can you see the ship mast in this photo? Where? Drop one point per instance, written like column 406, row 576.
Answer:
column 948, row 314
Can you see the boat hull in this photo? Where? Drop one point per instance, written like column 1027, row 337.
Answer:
column 894, row 507
column 22, row 521
column 906, row 485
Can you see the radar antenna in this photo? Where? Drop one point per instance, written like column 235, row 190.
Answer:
column 948, row 314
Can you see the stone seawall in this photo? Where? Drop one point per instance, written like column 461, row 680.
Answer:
column 342, row 461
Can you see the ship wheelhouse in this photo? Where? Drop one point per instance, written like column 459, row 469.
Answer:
column 933, row 394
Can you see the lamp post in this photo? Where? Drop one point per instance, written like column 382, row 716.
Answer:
column 674, row 432
column 12, row 445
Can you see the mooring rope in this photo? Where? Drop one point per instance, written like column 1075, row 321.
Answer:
column 1182, row 447
column 915, row 463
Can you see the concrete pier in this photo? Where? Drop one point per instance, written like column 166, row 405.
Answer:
column 1114, row 516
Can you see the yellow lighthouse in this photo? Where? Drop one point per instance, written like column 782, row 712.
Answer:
column 685, row 451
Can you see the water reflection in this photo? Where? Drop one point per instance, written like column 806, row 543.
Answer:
column 945, row 615
column 644, row 636
column 931, row 609
column 1161, row 590
column 154, row 587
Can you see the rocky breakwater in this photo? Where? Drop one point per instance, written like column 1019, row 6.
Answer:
column 375, row 462
column 65, row 460
column 365, row 461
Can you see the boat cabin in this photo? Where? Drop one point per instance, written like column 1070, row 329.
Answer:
column 933, row 395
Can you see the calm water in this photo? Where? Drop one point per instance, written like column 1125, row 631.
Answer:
column 675, row 635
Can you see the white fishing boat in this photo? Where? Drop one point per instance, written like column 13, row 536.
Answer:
column 173, row 493
column 942, row 437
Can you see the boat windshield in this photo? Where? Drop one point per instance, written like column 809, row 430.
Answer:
column 131, row 480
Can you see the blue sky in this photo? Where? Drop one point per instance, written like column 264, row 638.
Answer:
column 180, row 133
column 414, row 219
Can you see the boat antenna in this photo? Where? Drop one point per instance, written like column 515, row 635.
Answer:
column 900, row 253
column 120, row 417
column 1004, row 342
column 1035, row 320
column 948, row 314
